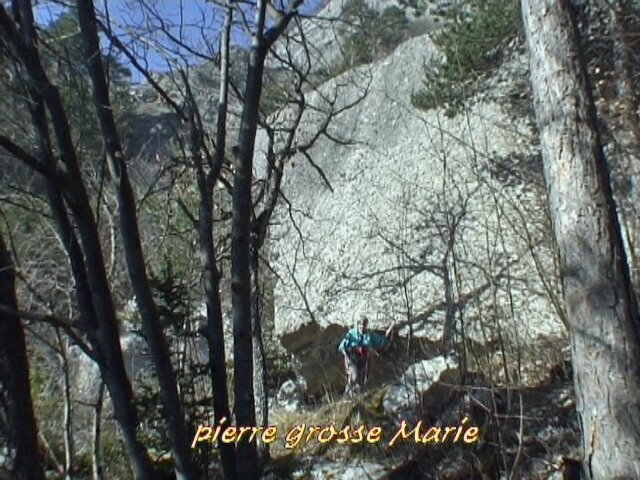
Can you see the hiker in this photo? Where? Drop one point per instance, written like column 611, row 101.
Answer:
column 355, row 347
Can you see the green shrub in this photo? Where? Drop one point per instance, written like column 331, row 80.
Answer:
column 418, row 7
column 376, row 34
column 472, row 43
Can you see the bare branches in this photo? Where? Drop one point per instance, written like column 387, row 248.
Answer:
column 28, row 159
column 144, row 71
column 69, row 327
column 135, row 259
column 223, row 95
column 192, row 218
column 280, row 26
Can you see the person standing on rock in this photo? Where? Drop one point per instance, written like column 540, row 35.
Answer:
column 355, row 347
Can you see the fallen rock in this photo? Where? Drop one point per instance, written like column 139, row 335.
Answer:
column 353, row 470
column 291, row 394
column 419, row 385
column 318, row 361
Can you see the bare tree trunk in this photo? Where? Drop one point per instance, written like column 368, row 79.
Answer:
column 241, row 276
column 242, row 204
column 601, row 309
column 626, row 132
column 94, row 295
column 214, row 331
column 177, row 429
column 68, row 409
column 16, row 408
column 259, row 361
column 96, row 457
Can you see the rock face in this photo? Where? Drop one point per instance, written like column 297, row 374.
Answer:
column 327, row 32
column 437, row 224
column 439, row 220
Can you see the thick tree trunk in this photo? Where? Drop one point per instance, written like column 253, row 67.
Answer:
column 16, row 408
column 176, row 427
column 626, row 130
column 242, row 204
column 601, row 309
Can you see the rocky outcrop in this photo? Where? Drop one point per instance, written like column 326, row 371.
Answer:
column 434, row 223
column 327, row 32
column 440, row 220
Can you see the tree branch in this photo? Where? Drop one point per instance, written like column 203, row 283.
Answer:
column 66, row 325
column 145, row 73
column 274, row 32
column 32, row 162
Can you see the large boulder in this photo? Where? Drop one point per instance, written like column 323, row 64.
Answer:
column 291, row 394
column 317, row 359
column 420, row 387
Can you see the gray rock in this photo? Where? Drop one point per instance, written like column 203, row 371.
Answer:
column 352, row 470
column 85, row 375
column 419, row 381
column 316, row 357
column 291, row 394
column 351, row 248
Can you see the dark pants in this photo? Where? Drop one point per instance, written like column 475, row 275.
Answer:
column 357, row 367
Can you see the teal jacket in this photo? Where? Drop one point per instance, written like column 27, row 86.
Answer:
column 353, row 339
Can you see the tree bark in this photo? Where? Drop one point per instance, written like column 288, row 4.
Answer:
column 601, row 309
column 242, row 204
column 259, row 360
column 94, row 295
column 174, row 415
column 16, row 407
column 240, row 272
column 96, row 456
column 69, row 450
column 214, row 332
